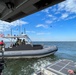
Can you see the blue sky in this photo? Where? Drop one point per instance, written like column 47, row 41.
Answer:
column 56, row 23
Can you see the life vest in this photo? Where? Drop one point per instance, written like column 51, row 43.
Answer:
column 1, row 43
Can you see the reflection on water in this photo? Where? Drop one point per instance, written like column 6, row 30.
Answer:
column 26, row 66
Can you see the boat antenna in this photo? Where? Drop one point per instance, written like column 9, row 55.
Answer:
column 19, row 28
column 11, row 35
column 24, row 31
column 11, row 31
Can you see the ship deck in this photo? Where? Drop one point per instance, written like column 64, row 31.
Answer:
column 59, row 67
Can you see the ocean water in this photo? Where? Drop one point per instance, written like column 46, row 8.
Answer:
column 66, row 50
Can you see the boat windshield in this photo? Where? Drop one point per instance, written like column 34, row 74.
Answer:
column 22, row 37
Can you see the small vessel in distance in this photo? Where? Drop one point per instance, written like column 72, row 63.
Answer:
column 27, row 50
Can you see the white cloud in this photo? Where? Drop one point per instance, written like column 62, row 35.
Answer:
column 68, row 6
column 41, row 33
column 48, row 21
column 4, row 26
column 57, row 12
column 65, row 15
column 50, row 15
column 42, row 25
column 54, row 9
column 71, row 17
column 46, row 10
column 30, row 31
column 60, row 11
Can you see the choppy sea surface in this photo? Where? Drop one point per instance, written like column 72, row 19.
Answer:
column 66, row 50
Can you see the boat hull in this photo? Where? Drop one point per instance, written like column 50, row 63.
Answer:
column 30, row 53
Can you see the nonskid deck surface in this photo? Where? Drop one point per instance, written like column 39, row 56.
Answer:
column 60, row 67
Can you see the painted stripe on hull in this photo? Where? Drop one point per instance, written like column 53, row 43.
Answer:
column 37, row 56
